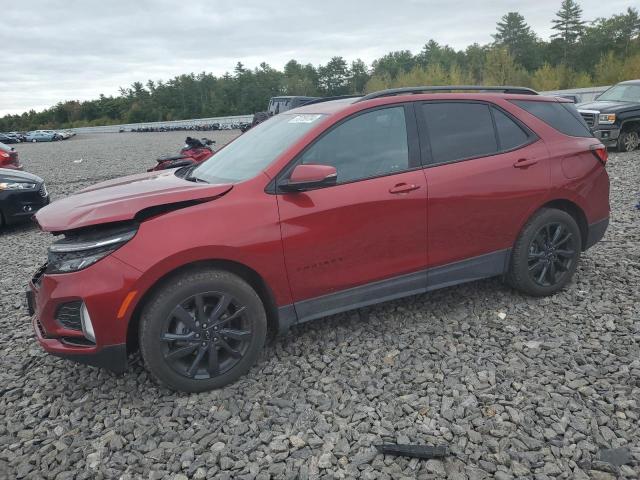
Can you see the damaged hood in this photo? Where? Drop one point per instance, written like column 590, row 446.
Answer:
column 122, row 198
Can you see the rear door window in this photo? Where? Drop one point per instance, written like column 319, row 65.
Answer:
column 564, row 117
column 459, row 130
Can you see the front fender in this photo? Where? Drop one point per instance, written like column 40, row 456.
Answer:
column 238, row 228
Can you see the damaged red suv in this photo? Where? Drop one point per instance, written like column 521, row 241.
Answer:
column 329, row 207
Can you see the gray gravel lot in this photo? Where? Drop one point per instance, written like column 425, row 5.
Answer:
column 519, row 387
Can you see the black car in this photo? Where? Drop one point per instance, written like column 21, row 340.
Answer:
column 8, row 139
column 614, row 117
column 18, row 135
column 21, row 195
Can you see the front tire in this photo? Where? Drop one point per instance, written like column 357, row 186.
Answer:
column 546, row 254
column 202, row 330
column 628, row 140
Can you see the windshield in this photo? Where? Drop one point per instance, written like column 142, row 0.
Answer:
column 254, row 150
column 622, row 93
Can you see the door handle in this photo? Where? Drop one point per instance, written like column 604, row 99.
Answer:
column 403, row 188
column 524, row 162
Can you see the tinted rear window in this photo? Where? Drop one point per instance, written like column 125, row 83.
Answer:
column 564, row 117
column 459, row 130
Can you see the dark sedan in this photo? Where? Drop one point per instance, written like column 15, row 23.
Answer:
column 8, row 139
column 21, row 195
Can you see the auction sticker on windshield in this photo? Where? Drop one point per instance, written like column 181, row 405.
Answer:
column 304, row 119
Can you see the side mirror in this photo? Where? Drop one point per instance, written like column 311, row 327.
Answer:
column 306, row 177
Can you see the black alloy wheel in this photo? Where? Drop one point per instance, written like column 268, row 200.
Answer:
column 551, row 254
column 202, row 329
column 546, row 253
column 206, row 335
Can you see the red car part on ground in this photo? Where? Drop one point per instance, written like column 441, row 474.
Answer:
column 9, row 158
column 329, row 207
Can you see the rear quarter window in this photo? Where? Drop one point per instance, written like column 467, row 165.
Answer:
column 510, row 134
column 563, row 117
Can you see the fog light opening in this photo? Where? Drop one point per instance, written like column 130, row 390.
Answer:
column 85, row 321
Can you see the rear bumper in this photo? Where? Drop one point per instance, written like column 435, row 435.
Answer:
column 595, row 232
column 13, row 166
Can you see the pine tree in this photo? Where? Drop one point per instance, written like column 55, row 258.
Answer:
column 334, row 77
column 569, row 25
column 513, row 33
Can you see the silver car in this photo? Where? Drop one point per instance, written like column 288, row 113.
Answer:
column 41, row 136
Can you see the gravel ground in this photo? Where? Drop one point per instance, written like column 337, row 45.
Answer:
column 518, row 387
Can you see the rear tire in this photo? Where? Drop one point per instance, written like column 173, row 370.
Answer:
column 628, row 140
column 546, row 254
column 203, row 330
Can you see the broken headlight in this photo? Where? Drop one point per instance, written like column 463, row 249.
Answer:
column 81, row 249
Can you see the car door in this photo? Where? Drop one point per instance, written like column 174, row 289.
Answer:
column 364, row 239
column 485, row 173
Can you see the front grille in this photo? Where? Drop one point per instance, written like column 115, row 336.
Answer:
column 43, row 190
column 68, row 315
column 590, row 118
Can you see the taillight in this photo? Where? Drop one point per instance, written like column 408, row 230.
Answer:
column 4, row 154
column 600, row 151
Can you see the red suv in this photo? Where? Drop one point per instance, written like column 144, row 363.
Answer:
column 329, row 207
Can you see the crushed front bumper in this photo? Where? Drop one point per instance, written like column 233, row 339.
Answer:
column 102, row 287
column 109, row 357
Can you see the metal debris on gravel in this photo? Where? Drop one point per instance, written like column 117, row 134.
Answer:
column 518, row 387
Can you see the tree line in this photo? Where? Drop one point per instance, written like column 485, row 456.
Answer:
column 578, row 54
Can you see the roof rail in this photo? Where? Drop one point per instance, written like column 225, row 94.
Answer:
column 328, row 99
column 447, row 88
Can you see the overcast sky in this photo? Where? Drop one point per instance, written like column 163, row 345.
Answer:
column 64, row 50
